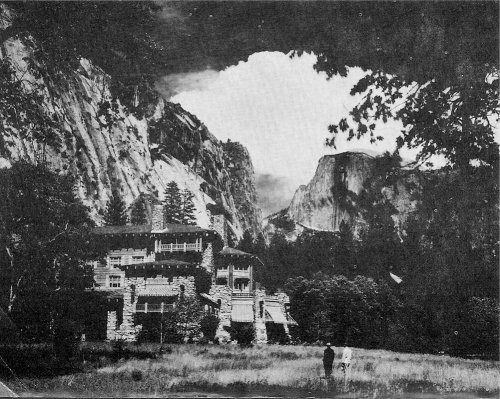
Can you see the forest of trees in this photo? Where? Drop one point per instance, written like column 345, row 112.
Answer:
column 447, row 256
column 45, row 245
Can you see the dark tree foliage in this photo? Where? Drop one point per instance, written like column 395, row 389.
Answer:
column 172, row 204
column 243, row 333
column 23, row 113
column 118, row 36
column 379, row 249
column 344, row 252
column 208, row 326
column 246, row 243
column 46, row 240
column 138, row 212
column 188, row 209
column 116, row 211
column 339, row 310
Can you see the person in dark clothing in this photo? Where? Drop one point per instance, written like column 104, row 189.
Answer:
column 328, row 356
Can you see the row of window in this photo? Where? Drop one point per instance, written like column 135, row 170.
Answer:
column 115, row 281
column 241, row 268
column 117, row 260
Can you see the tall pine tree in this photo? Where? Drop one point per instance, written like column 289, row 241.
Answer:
column 138, row 213
column 116, row 212
column 188, row 208
column 172, row 204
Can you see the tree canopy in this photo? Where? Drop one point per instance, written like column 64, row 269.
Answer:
column 116, row 211
column 46, row 241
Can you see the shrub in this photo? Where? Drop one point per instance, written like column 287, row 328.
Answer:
column 244, row 333
column 136, row 375
column 209, row 325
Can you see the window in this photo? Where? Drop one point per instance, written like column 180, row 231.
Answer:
column 137, row 259
column 115, row 281
column 241, row 267
column 115, row 260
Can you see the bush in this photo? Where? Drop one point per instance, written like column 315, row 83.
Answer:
column 244, row 333
column 136, row 375
column 209, row 325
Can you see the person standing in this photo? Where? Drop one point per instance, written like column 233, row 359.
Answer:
column 346, row 363
column 328, row 357
column 346, row 357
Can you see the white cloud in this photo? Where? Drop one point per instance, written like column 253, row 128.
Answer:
column 280, row 108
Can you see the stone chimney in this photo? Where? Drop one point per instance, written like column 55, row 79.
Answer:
column 219, row 224
column 157, row 218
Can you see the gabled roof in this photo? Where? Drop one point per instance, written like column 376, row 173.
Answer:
column 165, row 262
column 232, row 251
column 180, row 228
column 105, row 230
column 170, row 228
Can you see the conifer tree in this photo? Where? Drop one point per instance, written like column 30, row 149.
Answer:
column 188, row 208
column 116, row 212
column 138, row 214
column 172, row 204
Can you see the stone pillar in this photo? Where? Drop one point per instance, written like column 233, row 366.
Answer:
column 207, row 261
column 128, row 331
column 223, row 293
column 187, row 282
column 282, row 299
column 157, row 220
column 260, row 322
column 111, row 326
column 219, row 224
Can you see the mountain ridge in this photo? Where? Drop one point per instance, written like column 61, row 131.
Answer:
column 109, row 147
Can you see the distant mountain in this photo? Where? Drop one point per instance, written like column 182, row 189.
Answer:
column 110, row 147
column 332, row 196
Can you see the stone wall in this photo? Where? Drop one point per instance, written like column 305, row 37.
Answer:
column 127, row 330
column 260, row 322
column 133, row 288
column 157, row 220
column 223, row 293
column 284, row 299
column 207, row 261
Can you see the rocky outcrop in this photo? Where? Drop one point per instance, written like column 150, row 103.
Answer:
column 322, row 204
column 332, row 196
column 109, row 147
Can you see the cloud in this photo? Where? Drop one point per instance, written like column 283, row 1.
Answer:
column 274, row 192
column 175, row 83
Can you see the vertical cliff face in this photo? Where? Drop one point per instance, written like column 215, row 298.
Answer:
column 242, row 188
column 107, row 147
column 332, row 196
column 324, row 203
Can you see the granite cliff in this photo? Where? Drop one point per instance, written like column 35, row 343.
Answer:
column 110, row 147
column 332, row 196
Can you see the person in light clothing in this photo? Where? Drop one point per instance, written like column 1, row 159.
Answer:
column 346, row 357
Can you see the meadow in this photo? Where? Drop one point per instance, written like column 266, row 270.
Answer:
column 291, row 371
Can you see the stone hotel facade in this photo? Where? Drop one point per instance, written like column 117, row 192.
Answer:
column 148, row 268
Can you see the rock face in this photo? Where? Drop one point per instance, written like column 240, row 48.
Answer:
column 318, row 205
column 109, row 147
column 331, row 197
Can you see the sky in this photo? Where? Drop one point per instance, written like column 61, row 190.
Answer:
column 279, row 108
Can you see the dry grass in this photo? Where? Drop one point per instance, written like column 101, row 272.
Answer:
column 274, row 370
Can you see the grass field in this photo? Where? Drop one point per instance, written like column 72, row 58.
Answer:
column 189, row 370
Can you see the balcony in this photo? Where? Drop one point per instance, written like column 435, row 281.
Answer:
column 242, row 273
column 154, row 307
column 242, row 294
column 183, row 247
column 222, row 272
